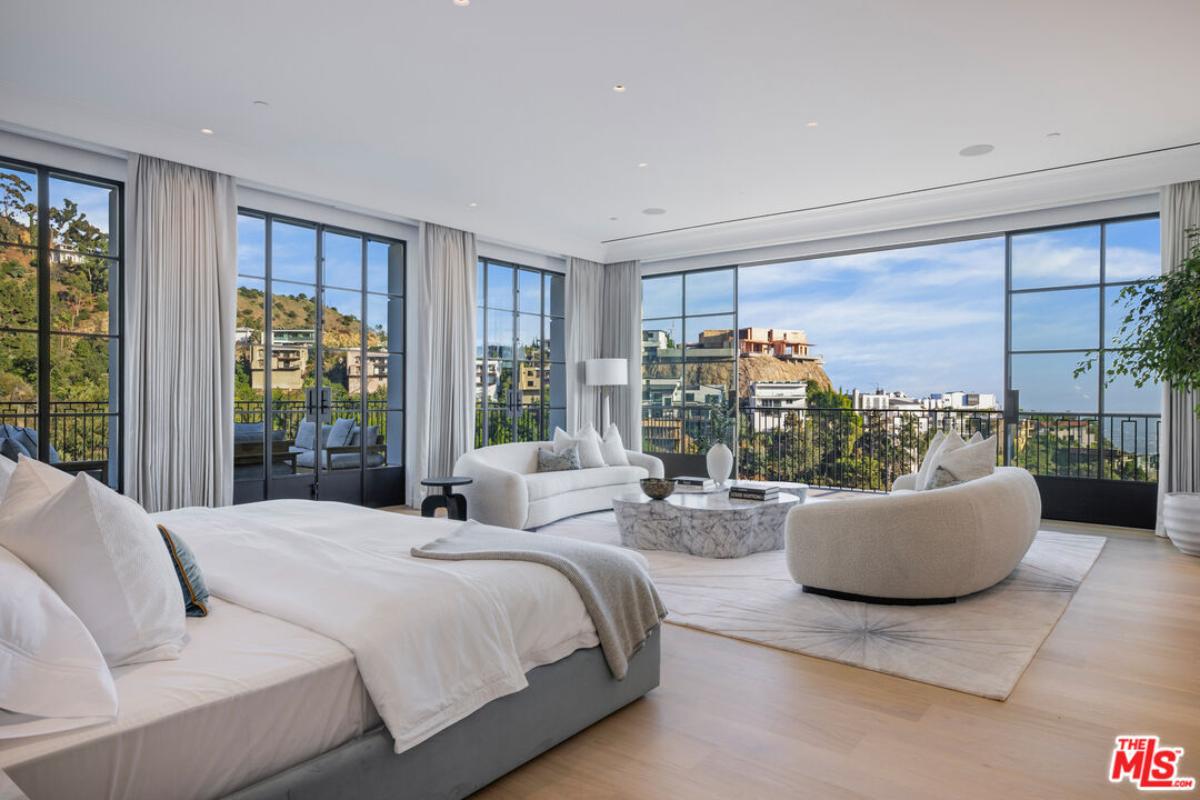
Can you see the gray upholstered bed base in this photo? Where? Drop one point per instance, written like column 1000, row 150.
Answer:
column 562, row 699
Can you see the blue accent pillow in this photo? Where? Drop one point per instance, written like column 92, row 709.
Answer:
column 11, row 448
column 339, row 434
column 191, row 580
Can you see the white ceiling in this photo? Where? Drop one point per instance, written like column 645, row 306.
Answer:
column 416, row 109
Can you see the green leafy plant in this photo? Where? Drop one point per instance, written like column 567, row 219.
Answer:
column 1159, row 338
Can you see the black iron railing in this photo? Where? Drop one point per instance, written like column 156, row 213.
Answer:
column 288, row 414
column 869, row 449
column 80, row 431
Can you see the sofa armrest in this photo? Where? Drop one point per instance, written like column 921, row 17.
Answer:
column 651, row 464
column 497, row 497
column 906, row 482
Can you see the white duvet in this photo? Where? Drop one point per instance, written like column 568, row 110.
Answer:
column 433, row 642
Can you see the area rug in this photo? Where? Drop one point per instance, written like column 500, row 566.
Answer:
column 979, row 645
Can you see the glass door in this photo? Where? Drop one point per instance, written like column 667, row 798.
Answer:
column 318, row 364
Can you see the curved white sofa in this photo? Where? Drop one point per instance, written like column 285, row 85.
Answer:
column 907, row 546
column 509, row 491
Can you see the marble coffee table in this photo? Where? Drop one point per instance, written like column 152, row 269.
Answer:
column 709, row 525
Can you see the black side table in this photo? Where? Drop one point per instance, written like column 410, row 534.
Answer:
column 455, row 504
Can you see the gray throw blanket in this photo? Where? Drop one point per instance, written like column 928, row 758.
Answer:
column 615, row 588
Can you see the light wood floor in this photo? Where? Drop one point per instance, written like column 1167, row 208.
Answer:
column 736, row 720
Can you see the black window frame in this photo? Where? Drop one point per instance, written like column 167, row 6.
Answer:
column 512, row 410
column 319, row 286
column 683, row 318
column 45, row 329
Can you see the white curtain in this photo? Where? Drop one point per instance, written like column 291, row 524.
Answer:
column 604, row 320
column 181, row 297
column 585, row 288
column 443, row 427
column 621, row 337
column 1179, row 437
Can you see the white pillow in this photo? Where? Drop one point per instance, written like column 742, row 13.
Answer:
column 612, row 448
column 950, row 442
column 966, row 463
column 588, row 442
column 52, row 674
column 7, row 467
column 103, row 556
column 930, row 454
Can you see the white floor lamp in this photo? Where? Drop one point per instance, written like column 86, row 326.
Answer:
column 606, row 372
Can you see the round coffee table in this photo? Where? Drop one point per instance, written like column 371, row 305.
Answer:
column 709, row 525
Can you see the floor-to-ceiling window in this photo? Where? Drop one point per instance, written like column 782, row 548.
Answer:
column 320, row 354
column 844, row 366
column 689, row 360
column 520, row 371
column 1065, row 308
column 61, row 258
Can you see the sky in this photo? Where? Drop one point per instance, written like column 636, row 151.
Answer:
column 931, row 318
column 922, row 319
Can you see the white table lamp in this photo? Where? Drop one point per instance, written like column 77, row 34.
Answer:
column 606, row 372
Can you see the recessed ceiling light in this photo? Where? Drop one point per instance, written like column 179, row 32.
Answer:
column 462, row 2
column 643, row 164
column 1053, row 135
column 811, row 124
column 207, row 131
column 261, row 104
column 976, row 150
column 618, row 87
column 472, row 205
column 654, row 212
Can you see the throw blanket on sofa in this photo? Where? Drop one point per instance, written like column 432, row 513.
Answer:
column 614, row 584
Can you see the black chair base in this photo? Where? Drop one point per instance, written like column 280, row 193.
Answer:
column 882, row 601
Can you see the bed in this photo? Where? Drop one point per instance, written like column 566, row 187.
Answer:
column 259, row 706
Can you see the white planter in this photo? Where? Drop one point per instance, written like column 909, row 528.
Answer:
column 1181, row 519
column 720, row 463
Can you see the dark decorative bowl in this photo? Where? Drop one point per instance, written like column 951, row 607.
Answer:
column 658, row 488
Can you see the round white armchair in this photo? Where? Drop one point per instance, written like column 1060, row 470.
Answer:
column 911, row 547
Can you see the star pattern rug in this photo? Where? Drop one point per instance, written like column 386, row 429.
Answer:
column 980, row 645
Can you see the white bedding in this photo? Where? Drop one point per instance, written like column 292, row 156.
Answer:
column 433, row 642
column 249, row 696
column 252, row 694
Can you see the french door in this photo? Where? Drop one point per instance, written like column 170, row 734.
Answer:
column 319, row 367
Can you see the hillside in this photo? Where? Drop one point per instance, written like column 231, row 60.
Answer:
column 299, row 311
column 769, row 368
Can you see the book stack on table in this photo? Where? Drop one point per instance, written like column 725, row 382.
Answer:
column 753, row 490
column 689, row 483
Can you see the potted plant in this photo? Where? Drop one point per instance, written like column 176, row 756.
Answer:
column 1159, row 342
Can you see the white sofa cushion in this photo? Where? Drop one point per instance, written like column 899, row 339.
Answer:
column 612, row 448
column 922, row 473
column 548, row 484
column 588, row 442
column 951, row 442
column 104, row 557
column 52, row 674
column 967, row 463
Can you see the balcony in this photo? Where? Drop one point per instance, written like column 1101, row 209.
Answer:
column 1083, row 463
column 79, row 431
